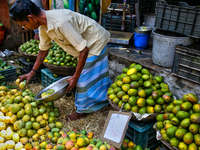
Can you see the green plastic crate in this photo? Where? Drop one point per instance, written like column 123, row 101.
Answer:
column 143, row 134
column 9, row 74
column 48, row 78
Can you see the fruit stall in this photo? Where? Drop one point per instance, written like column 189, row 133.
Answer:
column 156, row 106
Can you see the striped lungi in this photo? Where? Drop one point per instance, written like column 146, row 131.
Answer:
column 93, row 84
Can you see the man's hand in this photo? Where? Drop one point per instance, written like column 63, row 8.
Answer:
column 26, row 77
column 72, row 83
column 81, row 62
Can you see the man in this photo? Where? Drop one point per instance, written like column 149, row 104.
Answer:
column 81, row 37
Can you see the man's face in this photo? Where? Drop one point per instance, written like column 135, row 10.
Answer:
column 31, row 24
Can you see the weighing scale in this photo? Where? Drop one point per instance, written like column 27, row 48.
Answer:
column 118, row 7
column 119, row 37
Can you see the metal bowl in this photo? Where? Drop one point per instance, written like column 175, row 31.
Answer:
column 141, row 31
column 59, row 87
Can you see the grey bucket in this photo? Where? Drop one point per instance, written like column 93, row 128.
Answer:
column 164, row 48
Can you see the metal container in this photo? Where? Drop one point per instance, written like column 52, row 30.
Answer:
column 164, row 48
column 149, row 20
column 59, row 87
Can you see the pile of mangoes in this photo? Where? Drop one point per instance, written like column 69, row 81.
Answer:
column 180, row 124
column 58, row 57
column 138, row 91
column 23, row 120
column 30, row 47
column 75, row 140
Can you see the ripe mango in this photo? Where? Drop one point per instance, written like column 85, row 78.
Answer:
column 182, row 146
column 195, row 118
column 188, row 138
column 175, row 121
column 185, row 123
column 180, row 132
column 192, row 146
column 197, row 139
column 194, row 128
column 196, row 108
column 192, row 98
column 186, row 106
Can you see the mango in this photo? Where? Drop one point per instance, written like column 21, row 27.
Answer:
column 182, row 146
column 195, row 118
column 186, row 106
column 165, row 137
column 192, row 98
column 160, row 101
column 182, row 115
column 185, row 123
column 167, row 98
column 175, row 121
column 197, row 139
column 192, row 146
column 194, row 128
column 180, row 132
column 174, row 142
column 178, row 102
column 171, row 131
column 188, row 138
column 196, row 108
column 176, row 109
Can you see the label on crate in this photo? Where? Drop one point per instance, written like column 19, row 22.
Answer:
column 115, row 127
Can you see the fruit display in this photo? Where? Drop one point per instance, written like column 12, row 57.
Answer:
column 49, row 92
column 138, row 91
column 58, row 57
column 90, row 8
column 23, row 120
column 75, row 140
column 30, row 47
column 179, row 126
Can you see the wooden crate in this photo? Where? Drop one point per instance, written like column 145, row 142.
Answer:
column 27, row 35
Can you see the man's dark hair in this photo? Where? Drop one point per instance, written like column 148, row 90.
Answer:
column 22, row 8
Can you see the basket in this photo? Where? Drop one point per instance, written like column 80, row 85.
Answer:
column 28, row 56
column 61, row 70
column 143, row 117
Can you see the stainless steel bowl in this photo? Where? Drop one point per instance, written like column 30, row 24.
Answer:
column 141, row 31
column 59, row 87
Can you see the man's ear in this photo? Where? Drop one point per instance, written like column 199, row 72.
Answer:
column 30, row 17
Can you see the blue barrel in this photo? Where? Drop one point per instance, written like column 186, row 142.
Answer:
column 141, row 40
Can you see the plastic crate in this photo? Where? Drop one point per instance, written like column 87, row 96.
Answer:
column 143, row 134
column 187, row 62
column 182, row 19
column 48, row 78
column 26, row 68
column 116, row 25
column 9, row 74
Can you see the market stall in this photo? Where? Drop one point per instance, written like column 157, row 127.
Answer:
column 152, row 103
